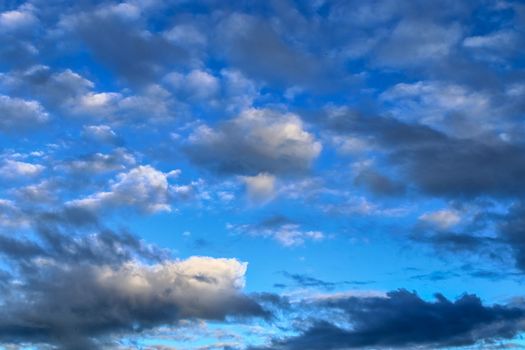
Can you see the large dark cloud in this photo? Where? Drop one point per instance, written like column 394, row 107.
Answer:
column 71, row 289
column 439, row 164
column 403, row 320
column 116, row 37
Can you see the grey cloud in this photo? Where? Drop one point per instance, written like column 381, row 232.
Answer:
column 19, row 114
column 378, row 183
column 139, row 56
column 255, row 47
column 403, row 320
column 73, row 290
column 54, row 88
column 257, row 141
column 439, row 164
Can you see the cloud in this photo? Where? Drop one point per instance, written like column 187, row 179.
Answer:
column 140, row 54
column 143, row 188
column 261, row 187
column 119, row 159
column 12, row 169
column 283, row 230
column 378, row 183
column 77, row 292
column 253, row 45
column 55, row 88
column 19, row 114
column 447, row 107
column 101, row 133
column 403, row 320
column 197, row 84
column 443, row 219
column 435, row 163
column 257, row 141
column 18, row 19
column 417, row 42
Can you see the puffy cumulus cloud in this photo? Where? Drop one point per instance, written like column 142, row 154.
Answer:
column 257, row 141
column 443, row 219
column 456, row 109
column 260, row 51
column 71, row 94
column 101, row 133
column 142, row 188
column 71, row 291
column 403, row 320
column 261, row 187
column 54, row 87
column 20, row 114
column 197, row 84
column 14, row 169
column 140, row 55
column 98, row 162
column 153, row 103
column 19, row 19
column 239, row 91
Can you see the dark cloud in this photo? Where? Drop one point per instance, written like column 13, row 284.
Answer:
column 139, row 56
column 512, row 232
column 254, row 46
column 438, row 164
column 73, row 290
column 402, row 319
column 378, row 183
column 306, row 281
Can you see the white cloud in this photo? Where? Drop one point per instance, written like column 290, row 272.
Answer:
column 443, row 219
column 257, row 141
column 102, row 133
column 212, row 280
column 197, row 84
column 20, row 18
column 15, row 169
column 18, row 113
column 496, row 40
column 441, row 105
column 143, row 188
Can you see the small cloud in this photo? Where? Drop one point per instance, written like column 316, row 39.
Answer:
column 261, row 188
column 443, row 219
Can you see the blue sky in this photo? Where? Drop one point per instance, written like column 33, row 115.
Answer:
column 256, row 175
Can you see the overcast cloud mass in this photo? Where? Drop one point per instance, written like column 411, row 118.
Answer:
column 262, row 175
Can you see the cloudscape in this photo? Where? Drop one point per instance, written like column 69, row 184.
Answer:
column 262, row 175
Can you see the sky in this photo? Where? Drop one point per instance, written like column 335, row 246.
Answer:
column 262, row 175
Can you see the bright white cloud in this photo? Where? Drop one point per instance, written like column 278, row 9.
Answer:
column 14, row 169
column 22, row 17
column 257, row 141
column 143, row 188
